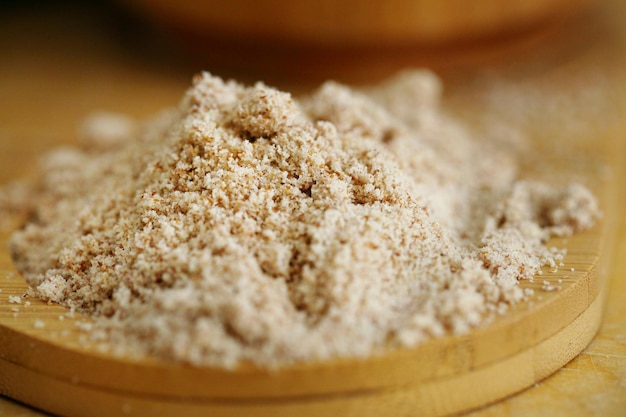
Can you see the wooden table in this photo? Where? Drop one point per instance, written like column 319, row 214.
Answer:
column 56, row 66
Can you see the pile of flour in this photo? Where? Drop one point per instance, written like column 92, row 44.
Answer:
column 246, row 225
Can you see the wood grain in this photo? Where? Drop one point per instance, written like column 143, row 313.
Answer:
column 51, row 368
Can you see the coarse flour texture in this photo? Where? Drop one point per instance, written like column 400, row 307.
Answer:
column 246, row 225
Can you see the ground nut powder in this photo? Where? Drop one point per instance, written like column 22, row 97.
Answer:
column 247, row 225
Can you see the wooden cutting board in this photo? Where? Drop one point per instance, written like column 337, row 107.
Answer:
column 45, row 362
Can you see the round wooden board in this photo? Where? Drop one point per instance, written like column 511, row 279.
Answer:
column 105, row 391
column 47, row 361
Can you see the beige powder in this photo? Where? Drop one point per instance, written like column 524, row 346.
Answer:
column 249, row 226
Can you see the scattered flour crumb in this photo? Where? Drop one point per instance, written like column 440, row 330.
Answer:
column 84, row 325
column 104, row 130
column 39, row 324
column 15, row 299
column 549, row 287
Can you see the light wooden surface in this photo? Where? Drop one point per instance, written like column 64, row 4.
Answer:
column 56, row 68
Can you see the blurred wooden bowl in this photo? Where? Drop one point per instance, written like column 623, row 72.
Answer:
column 350, row 23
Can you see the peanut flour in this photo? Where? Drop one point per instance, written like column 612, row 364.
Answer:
column 247, row 225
